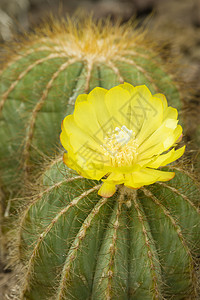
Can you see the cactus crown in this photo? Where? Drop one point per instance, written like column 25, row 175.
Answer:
column 84, row 38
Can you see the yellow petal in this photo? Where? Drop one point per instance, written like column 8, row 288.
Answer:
column 140, row 107
column 176, row 155
column 148, row 128
column 87, row 172
column 115, row 178
column 177, row 133
column 92, row 173
column 117, row 101
column 171, row 113
column 144, row 92
column 79, row 140
column 163, row 99
column 97, row 99
column 81, row 98
column 91, row 160
column 127, row 86
column 85, row 118
column 150, row 109
column 107, row 190
column 151, row 151
column 71, row 163
column 168, row 142
column 165, row 159
column 148, row 176
column 117, row 170
column 172, row 138
column 64, row 139
column 164, row 134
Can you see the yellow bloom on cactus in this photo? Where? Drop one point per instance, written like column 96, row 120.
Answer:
column 122, row 136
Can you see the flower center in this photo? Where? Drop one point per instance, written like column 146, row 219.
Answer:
column 120, row 147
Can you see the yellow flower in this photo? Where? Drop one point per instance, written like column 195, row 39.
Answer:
column 123, row 135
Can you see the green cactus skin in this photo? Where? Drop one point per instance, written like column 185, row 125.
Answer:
column 43, row 76
column 73, row 244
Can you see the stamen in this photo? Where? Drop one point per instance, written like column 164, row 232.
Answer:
column 120, row 147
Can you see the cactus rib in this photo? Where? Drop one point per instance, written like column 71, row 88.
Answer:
column 116, row 71
column 88, row 76
column 139, row 68
column 47, row 230
column 37, row 108
column 174, row 223
column 75, row 247
column 30, row 67
column 150, row 252
column 174, row 190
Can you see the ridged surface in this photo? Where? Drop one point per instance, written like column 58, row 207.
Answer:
column 39, row 87
column 73, row 244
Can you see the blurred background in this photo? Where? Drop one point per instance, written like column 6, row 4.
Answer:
column 172, row 23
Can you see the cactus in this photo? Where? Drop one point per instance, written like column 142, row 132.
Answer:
column 44, row 73
column 73, row 244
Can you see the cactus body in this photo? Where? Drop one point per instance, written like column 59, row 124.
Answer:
column 73, row 244
column 43, row 77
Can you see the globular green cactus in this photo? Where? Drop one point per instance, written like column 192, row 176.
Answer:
column 138, row 244
column 44, row 73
